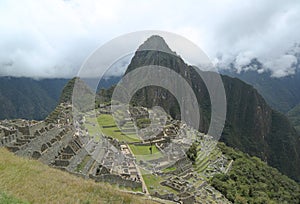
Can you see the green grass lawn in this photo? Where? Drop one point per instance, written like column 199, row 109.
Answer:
column 169, row 169
column 114, row 132
column 143, row 152
column 83, row 163
column 153, row 183
column 106, row 119
column 93, row 129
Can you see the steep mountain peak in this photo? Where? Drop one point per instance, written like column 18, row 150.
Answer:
column 155, row 51
column 155, row 42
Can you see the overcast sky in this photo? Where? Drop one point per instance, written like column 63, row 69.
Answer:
column 53, row 38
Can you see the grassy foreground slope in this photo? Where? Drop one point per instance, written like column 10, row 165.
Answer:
column 7, row 199
column 33, row 182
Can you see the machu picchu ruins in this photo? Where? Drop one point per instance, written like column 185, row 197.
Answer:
column 130, row 160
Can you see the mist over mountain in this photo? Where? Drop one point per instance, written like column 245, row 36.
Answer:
column 286, row 81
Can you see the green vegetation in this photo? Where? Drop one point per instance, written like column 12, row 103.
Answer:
column 284, row 146
column 143, row 122
column 254, row 128
column 282, row 93
column 93, row 129
column 153, row 183
column 202, row 161
column 28, row 98
column 104, row 95
column 83, row 163
column 144, row 153
column 5, row 199
column 59, row 112
column 37, row 183
column 84, row 97
column 66, row 95
column 294, row 117
column 113, row 131
column 192, row 152
column 143, row 150
column 169, row 169
column 52, row 117
column 252, row 181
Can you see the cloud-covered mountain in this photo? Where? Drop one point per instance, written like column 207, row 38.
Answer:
column 285, row 65
column 280, row 87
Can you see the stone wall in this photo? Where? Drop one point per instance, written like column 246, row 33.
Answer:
column 36, row 127
column 24, row 130
column 76, row 159
column 116, row 179
column 8, row 132
column 165, row 196
column 36, row 143
column 8, row 139
column 49, row 155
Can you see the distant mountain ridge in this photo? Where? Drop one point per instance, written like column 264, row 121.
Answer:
column 29, row 98
column 281, row 94
column 294, row 117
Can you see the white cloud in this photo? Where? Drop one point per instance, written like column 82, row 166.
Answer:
column 243, row 59
column 52, row 38
column 283, row 66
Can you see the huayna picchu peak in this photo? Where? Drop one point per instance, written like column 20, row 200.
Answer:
column 155, row 42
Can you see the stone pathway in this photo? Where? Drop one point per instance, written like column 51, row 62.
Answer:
column 144, row 186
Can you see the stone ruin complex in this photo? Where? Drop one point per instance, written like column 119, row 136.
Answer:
column 62, row 143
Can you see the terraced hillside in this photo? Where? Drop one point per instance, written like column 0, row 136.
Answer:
column 145, row 166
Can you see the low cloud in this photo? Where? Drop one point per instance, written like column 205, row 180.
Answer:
column 283, row 66
column 52, row 38
column 243, row 60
